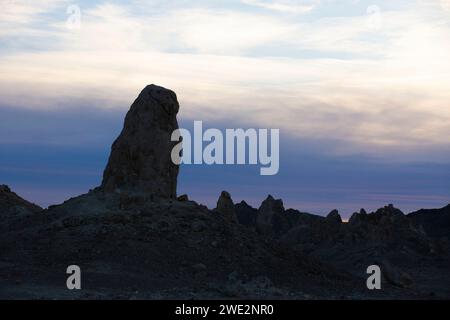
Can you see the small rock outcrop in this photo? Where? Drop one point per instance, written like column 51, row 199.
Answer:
column 183, row 198
column 268, row 212
column 246, row 215
column 225, row 206
column 358, row 217
column 140, row 159
column 334, row 217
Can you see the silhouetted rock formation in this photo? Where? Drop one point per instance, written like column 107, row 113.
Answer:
column 246, row 215
column 389, row 225
column 436, row 222
column 183, row 197
column 334, row 217
column 386, row 226
column 268, row 218
column 12, row 205
column 272, row 220
column 140, row 159
column 358, row 217
column 170, row 247
column 225, row 206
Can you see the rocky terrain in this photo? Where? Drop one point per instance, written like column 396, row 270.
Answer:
column 435, row 222
column 133, row 238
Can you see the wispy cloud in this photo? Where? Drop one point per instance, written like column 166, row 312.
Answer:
column 296, row 6
column 378, row 90
column 17, row 16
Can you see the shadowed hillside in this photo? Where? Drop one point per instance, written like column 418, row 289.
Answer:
column 134, row 238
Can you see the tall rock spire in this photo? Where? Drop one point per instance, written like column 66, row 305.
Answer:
column 140, row 157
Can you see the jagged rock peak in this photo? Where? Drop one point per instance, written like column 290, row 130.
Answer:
column 244, row 206
column 390, row 210
column 246, row 214
column 267, row 211
column 140, row 159
column 225, row 194
column 243, row 203
column 358, row 216
column 275, row 204
column 334, row 217
column 225, row 206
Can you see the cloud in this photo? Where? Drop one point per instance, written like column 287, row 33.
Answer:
column 389, row 93
column 17, row 16
column 61, row 153
column 296, row 7
column 197, row 30
column 26, row 11
column 225, row 32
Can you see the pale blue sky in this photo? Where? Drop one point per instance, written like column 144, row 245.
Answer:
column 351, row 84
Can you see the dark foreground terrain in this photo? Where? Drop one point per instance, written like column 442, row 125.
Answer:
column 134, row 239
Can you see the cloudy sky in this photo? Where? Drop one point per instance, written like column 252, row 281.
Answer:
column 359, row 89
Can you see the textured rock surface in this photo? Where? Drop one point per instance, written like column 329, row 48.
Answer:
column 162, row 249
column 140, row 157
column 395, row 276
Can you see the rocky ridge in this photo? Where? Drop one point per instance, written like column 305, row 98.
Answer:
column 133, row 238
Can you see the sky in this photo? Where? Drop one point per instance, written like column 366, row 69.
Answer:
column 360, row 91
